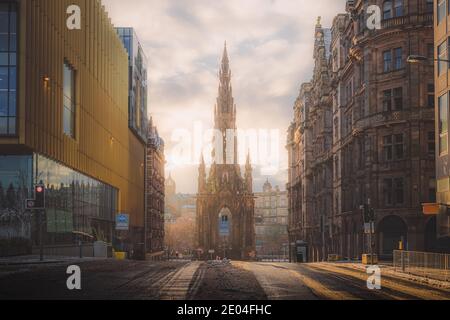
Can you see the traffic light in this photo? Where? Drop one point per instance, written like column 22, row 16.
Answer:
column 39, row 196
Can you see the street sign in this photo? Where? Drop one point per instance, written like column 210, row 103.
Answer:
column 211, row 251
column 430, row 208
column 29, row 204
column 122, row 222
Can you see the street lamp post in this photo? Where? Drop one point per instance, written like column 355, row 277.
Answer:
column 412, row 59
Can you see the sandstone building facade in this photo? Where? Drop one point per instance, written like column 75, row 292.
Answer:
column 155, row 193
column 364, row 133
column 64, row 122
column 271, row 214
column 441, row 36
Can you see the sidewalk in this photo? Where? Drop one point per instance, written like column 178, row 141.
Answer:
column 389, row 270
column 34, row 260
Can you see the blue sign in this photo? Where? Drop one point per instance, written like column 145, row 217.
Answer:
column 122, row 222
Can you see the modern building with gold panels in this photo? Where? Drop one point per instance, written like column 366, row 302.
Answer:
column 64, row 122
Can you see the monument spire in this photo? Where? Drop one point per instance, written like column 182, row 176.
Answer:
column 225, row 150
column 225, row 192
column 225, row 101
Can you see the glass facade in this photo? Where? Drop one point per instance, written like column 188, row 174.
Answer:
column 75, row 203
column 8, row 68
column 137, row 101
column 15, row 180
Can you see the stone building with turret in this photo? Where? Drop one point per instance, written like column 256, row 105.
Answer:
column 155, row 193
column 364, row 134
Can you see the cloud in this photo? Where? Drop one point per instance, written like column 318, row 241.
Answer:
column 270, row 47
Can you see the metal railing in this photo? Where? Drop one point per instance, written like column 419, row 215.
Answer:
column 428, row 265
column 272, row 258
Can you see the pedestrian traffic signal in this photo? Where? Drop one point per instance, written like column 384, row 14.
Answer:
column 39, row 196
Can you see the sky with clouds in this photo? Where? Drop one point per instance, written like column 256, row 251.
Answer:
column 270, row 49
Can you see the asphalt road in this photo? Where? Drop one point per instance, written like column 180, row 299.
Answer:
column 184, row 280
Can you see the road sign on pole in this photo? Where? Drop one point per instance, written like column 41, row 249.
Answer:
column 122, row 222
column 38, row 205
column 29, row 204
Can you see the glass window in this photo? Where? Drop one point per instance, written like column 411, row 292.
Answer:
column 393, row 147
column 3, row 125
column 387, row 100
column 4, row 42
column 387, row 192
column 429, row 6
column 399, row 191
column 69, row 101
column 12, row 78
column 12, row 42
column 431, row 144
column 399, row 147
column 398, row 58
column 4, row 18
column 4, row 78
column 443, row 124
column 13, row 20
column 75, row 202
column 4, row 58
column 398, row 8
column 387, row 9
column 442, row 55
column 430, row 53
column 431, row 96
column 12, row 104
column 8, row 73
column 15, row 180
column 3, row 104
column 387, row 147
column 398, row 99
column 387, row 61
column 441, row 10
